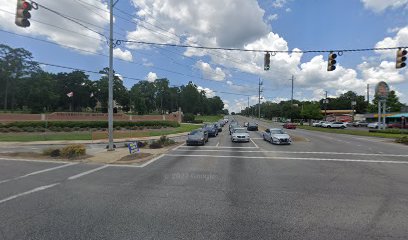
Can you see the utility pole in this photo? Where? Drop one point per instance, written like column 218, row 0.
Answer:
column 259, row 98
column 110, row 86
column 248, row 107
column 291, row 101
column 325, row 108
column 368, row 94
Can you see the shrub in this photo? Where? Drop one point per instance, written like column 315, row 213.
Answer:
column 52, row 152
column 28, row 129
column 67, row 129
column 15, row 129
column 403, row 140
column 164, row 140
column 155, row 145
column 4, row 130
column 197, row 121
column 188, row 117
column 73, row 151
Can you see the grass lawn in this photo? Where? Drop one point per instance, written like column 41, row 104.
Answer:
column 209, row 118
column 352, row 132
column 54, row 136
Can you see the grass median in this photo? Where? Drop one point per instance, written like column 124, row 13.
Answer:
column 209, row 118
column 88, row 135
column 352, row 132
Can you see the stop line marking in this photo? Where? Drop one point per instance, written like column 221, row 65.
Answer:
column 289, row 152
column 290, row 158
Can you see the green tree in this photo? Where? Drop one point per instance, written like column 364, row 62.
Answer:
column 15, row 63
column 311, row 111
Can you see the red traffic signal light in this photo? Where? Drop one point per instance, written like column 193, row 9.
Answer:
column 331, row 62
column 401, row 58
column 22, row 13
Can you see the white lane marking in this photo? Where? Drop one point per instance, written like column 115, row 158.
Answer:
column 87, row 172
column 218, row 143
column 254, row 143
column 151, row 161
column 291, row 158
column 38, row 172
column 137, row 166
column 28, row 192
column 213, row 147
column 179, row 146
column 31, row 160
column 266, row 151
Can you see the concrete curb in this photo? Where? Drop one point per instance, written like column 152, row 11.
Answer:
column 66, row 142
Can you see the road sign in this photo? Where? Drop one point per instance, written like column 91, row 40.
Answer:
column 382, row 90
column 133, row 147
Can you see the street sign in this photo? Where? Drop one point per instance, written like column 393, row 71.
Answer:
column 382, row 90
column 133, row 147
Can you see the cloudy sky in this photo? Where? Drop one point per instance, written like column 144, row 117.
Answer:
column 248, row 24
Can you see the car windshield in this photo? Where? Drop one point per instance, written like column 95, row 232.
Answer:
column 277, row 131
column 240, row 130
column 196, row 132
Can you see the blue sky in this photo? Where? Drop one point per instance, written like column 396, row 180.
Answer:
column 270, row 24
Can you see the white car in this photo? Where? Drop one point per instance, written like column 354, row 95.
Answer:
column 325, row 124
column 318, row 124
column 240, row 135
column 276, row 136
column 226, row 120
column 376, row 125
column 341, row 125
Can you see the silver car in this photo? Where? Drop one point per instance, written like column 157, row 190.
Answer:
column 276, row 136
column 240, row 135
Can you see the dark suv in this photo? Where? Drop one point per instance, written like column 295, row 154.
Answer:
column 211, row 129
column 252, row 127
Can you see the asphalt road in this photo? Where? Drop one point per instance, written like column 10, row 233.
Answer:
column 323, row 186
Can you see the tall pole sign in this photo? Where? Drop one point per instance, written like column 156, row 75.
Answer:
column 382, row 90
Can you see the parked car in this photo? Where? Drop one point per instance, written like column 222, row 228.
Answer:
column 197, row 137
column 221, row 122
column 341, row 125
column 252, row 127
column 325, row 124
column 360, row 124
column 289, row 125
column 376, row 125
column 397, row 125
column 240, row 135
column 218, row 126
column 276, row 136
column 226, row 120
column 318, row 124
column 246, row 124
column 211, row 129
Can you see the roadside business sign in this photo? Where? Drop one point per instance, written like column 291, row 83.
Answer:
column 382, row 90
column 133, row 147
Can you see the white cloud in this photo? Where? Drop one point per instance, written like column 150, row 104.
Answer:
column 288, row 10
column 81, row 38
column 400, row 39
column 124, row 55
column 208, row 92
column 272, row 17
column 151, row 76
column 206, row 20
column 209, row 72
column 147, row 63
column 381, row 5
column 279, row 3
column 384, row 72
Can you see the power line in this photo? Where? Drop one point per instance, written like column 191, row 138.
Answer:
column 72, row 19
column 261, row 50
column 101, row 54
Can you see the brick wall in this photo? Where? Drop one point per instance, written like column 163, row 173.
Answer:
column 78, row 116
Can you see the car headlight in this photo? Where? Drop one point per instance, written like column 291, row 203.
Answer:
column 202, row 139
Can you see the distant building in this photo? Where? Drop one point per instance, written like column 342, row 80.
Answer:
column 338, row 115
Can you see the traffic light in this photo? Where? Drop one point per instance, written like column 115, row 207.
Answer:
column 401, row 58
column 267, row 61
column 23, row 13
column 331, row 62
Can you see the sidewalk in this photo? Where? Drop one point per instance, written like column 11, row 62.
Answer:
column 66, row 142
